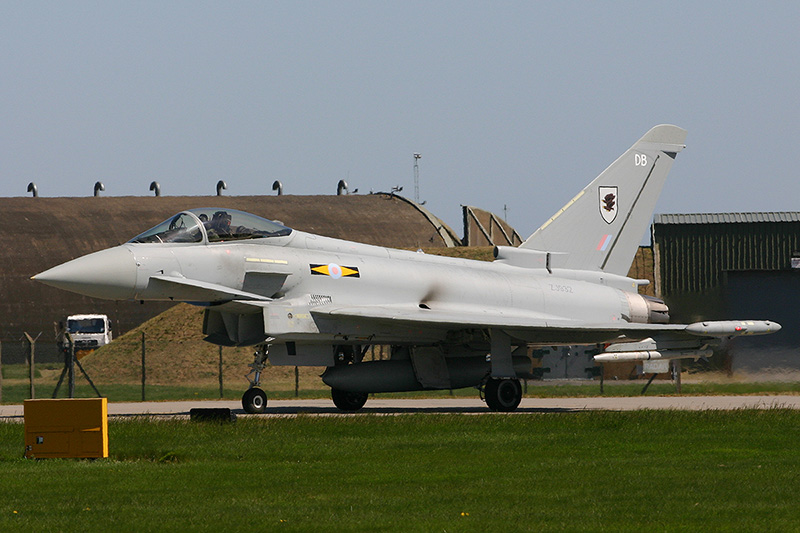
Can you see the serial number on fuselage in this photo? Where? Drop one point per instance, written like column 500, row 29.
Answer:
column 560, row 288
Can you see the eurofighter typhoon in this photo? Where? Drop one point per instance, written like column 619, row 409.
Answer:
column 307, row 300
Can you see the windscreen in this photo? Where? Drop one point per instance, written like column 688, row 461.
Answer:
column 232, row 225
column 86, row 325
column 182, row 227
column 219, row 224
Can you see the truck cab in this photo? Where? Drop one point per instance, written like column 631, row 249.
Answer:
column 89, row 332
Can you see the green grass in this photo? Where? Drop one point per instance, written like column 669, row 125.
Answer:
column 115, row 392
column 20, row 372
column 17, row 390
column 650, row 470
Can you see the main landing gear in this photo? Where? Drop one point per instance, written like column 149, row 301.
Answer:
column 254, row 400
column 348, row 401
column 502, row 395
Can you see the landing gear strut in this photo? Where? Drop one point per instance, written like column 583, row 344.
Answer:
column 502, row 394
column 254, row 400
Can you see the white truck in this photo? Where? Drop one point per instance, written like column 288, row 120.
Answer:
column 89, row 332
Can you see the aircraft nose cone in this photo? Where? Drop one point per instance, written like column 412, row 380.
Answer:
column 108, row 274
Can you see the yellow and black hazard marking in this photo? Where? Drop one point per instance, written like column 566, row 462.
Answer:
column 335, row 271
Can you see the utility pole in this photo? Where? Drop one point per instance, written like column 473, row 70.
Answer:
column 144, row 366
column 221, row 390
column 417, row 157
column 31, row 363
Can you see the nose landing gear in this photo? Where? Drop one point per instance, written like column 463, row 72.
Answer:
column 254, row 400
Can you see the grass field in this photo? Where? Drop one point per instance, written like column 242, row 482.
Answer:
column 281, row 386
column 16, row 388
column 650, row 470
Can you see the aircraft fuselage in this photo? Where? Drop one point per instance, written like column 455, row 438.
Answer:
column 301, row 272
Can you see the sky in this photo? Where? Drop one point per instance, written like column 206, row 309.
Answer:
column 513, row 106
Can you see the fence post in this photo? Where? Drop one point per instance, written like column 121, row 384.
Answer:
column 71, row 367
column 296, row 382
column 220, row 373
column 31, row 352
column 144, row 368
column 602, row 376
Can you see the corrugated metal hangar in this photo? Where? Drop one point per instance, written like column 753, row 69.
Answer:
column 713, row 267
column 734, row 265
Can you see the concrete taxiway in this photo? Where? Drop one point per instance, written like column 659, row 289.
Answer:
column 450, row 405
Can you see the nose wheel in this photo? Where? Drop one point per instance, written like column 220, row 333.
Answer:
column 254, row 401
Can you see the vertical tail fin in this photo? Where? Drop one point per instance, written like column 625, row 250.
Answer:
column 602, row 226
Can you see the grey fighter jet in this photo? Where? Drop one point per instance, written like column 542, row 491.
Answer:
column 303, row 299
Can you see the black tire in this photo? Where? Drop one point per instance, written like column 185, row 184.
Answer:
column 503, row 395
column 254, row 401
column 349, row 401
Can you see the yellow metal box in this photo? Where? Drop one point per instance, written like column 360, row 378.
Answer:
column 75, row 427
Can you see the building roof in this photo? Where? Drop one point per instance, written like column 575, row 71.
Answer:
column 696, row 252
column 727, row 218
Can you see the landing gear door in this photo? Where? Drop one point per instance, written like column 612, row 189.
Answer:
column 295, row 354
column 430, row 367
column 289, row 319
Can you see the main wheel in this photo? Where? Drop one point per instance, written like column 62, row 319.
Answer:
column 254, row 401
column 348, row 401
column 503, row 394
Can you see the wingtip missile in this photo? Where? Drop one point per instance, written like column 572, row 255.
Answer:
column 733, row 328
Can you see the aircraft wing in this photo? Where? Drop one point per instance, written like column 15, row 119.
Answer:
column 462, row 317
column 522, row 324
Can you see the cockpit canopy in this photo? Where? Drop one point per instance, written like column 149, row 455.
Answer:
column 212, row 224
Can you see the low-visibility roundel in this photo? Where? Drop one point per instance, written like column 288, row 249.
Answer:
column 335, row 271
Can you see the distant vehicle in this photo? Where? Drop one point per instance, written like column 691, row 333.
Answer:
column 308, row 300
column 89, row 332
